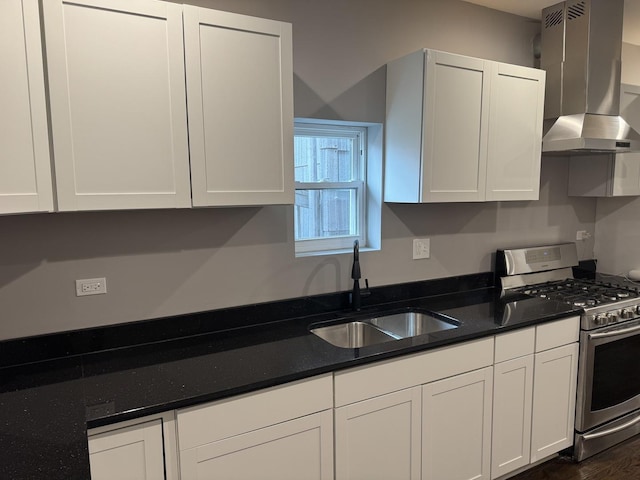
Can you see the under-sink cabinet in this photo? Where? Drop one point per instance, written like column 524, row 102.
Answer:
column 462, row 129
column 280, row 433
column 409, row 407
column 152, row 104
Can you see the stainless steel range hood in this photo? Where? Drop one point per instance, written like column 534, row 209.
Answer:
column 581, row 52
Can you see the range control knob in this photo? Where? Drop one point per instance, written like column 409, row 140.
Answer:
column 626, row 313
column 600, row 320
column 612, row 317
column 637, row 309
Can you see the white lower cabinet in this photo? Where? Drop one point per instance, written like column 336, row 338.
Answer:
column 298, row 449
column 512, row 398
column 380, row 438
column 284, row 432
column 554, row 400
column 456, row 427
column 411, row 417
column 535, row 378
column 143, row 449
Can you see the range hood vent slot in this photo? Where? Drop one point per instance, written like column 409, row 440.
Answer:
column 575, row 11
column 553, row 18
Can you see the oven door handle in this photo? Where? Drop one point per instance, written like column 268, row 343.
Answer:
column 590, row 436
column 614, row 333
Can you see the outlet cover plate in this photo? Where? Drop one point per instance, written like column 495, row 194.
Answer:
column 421, row 248
column 91, row 286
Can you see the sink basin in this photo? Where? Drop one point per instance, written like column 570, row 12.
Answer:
column 411, row 324
column 383, row 328
column 352, row 335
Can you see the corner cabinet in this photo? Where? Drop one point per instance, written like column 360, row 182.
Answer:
column 118, row 92
column 25, row 170
column 143, row 449
column 462, row 129
column 610, row 174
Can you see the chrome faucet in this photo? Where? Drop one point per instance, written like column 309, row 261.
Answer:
column 356, row 293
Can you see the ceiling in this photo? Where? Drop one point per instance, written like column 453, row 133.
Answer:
column 533, row 9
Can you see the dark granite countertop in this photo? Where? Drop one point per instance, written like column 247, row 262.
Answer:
column 69, row 382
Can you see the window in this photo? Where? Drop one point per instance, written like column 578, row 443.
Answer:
column 330, row 181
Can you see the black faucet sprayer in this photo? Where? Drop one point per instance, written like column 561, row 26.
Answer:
column 356, row 294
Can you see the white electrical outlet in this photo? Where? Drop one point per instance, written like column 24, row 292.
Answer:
column 91, row 286
column 421, row 248
column 582, row 235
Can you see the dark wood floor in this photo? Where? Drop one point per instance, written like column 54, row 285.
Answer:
column 621, row 462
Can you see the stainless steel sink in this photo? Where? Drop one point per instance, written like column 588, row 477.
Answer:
column 383, row 328
column 411, row 324
column 352, row 335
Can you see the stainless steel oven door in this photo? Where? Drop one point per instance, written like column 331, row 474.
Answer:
column 608, row 374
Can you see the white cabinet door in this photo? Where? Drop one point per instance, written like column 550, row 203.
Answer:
column 515, row 132
column 25, row 169
column 130, row 453
column 297, row 449
column 456, row 427
column 118, row 103
column 380, row 438
column 456, row 116
column 240, row 94
column 554, row 399
column 512, row 399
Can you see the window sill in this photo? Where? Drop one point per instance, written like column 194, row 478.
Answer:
column 341, row 251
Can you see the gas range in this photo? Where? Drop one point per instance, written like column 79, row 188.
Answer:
column 604, row 303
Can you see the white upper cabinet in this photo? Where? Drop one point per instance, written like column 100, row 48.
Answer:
column 118, row 103
column 25, row 170
column 615, row 174
column 462, row 129
column 240, row 94
column 515, row 132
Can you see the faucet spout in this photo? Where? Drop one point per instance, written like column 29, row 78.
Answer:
column 356, row 293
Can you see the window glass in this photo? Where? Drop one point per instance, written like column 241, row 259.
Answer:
column 330, row 188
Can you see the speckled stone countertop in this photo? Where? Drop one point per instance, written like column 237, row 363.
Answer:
column 52, row 388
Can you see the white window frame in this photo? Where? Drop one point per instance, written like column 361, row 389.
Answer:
column 341, row 243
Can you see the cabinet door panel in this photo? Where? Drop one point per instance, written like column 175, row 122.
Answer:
column 626, row 174
column 130, row 453
column 380, row 438
column 515, row 141
column 239, row 81
column 512, row 398
column 455, row 120
column 118, row 104
column 554, row 400
column 298, row 449
column 456, row 431
column 25, row 170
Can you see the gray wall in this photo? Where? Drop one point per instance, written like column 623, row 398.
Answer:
column 617, row 246
column 166, row 262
